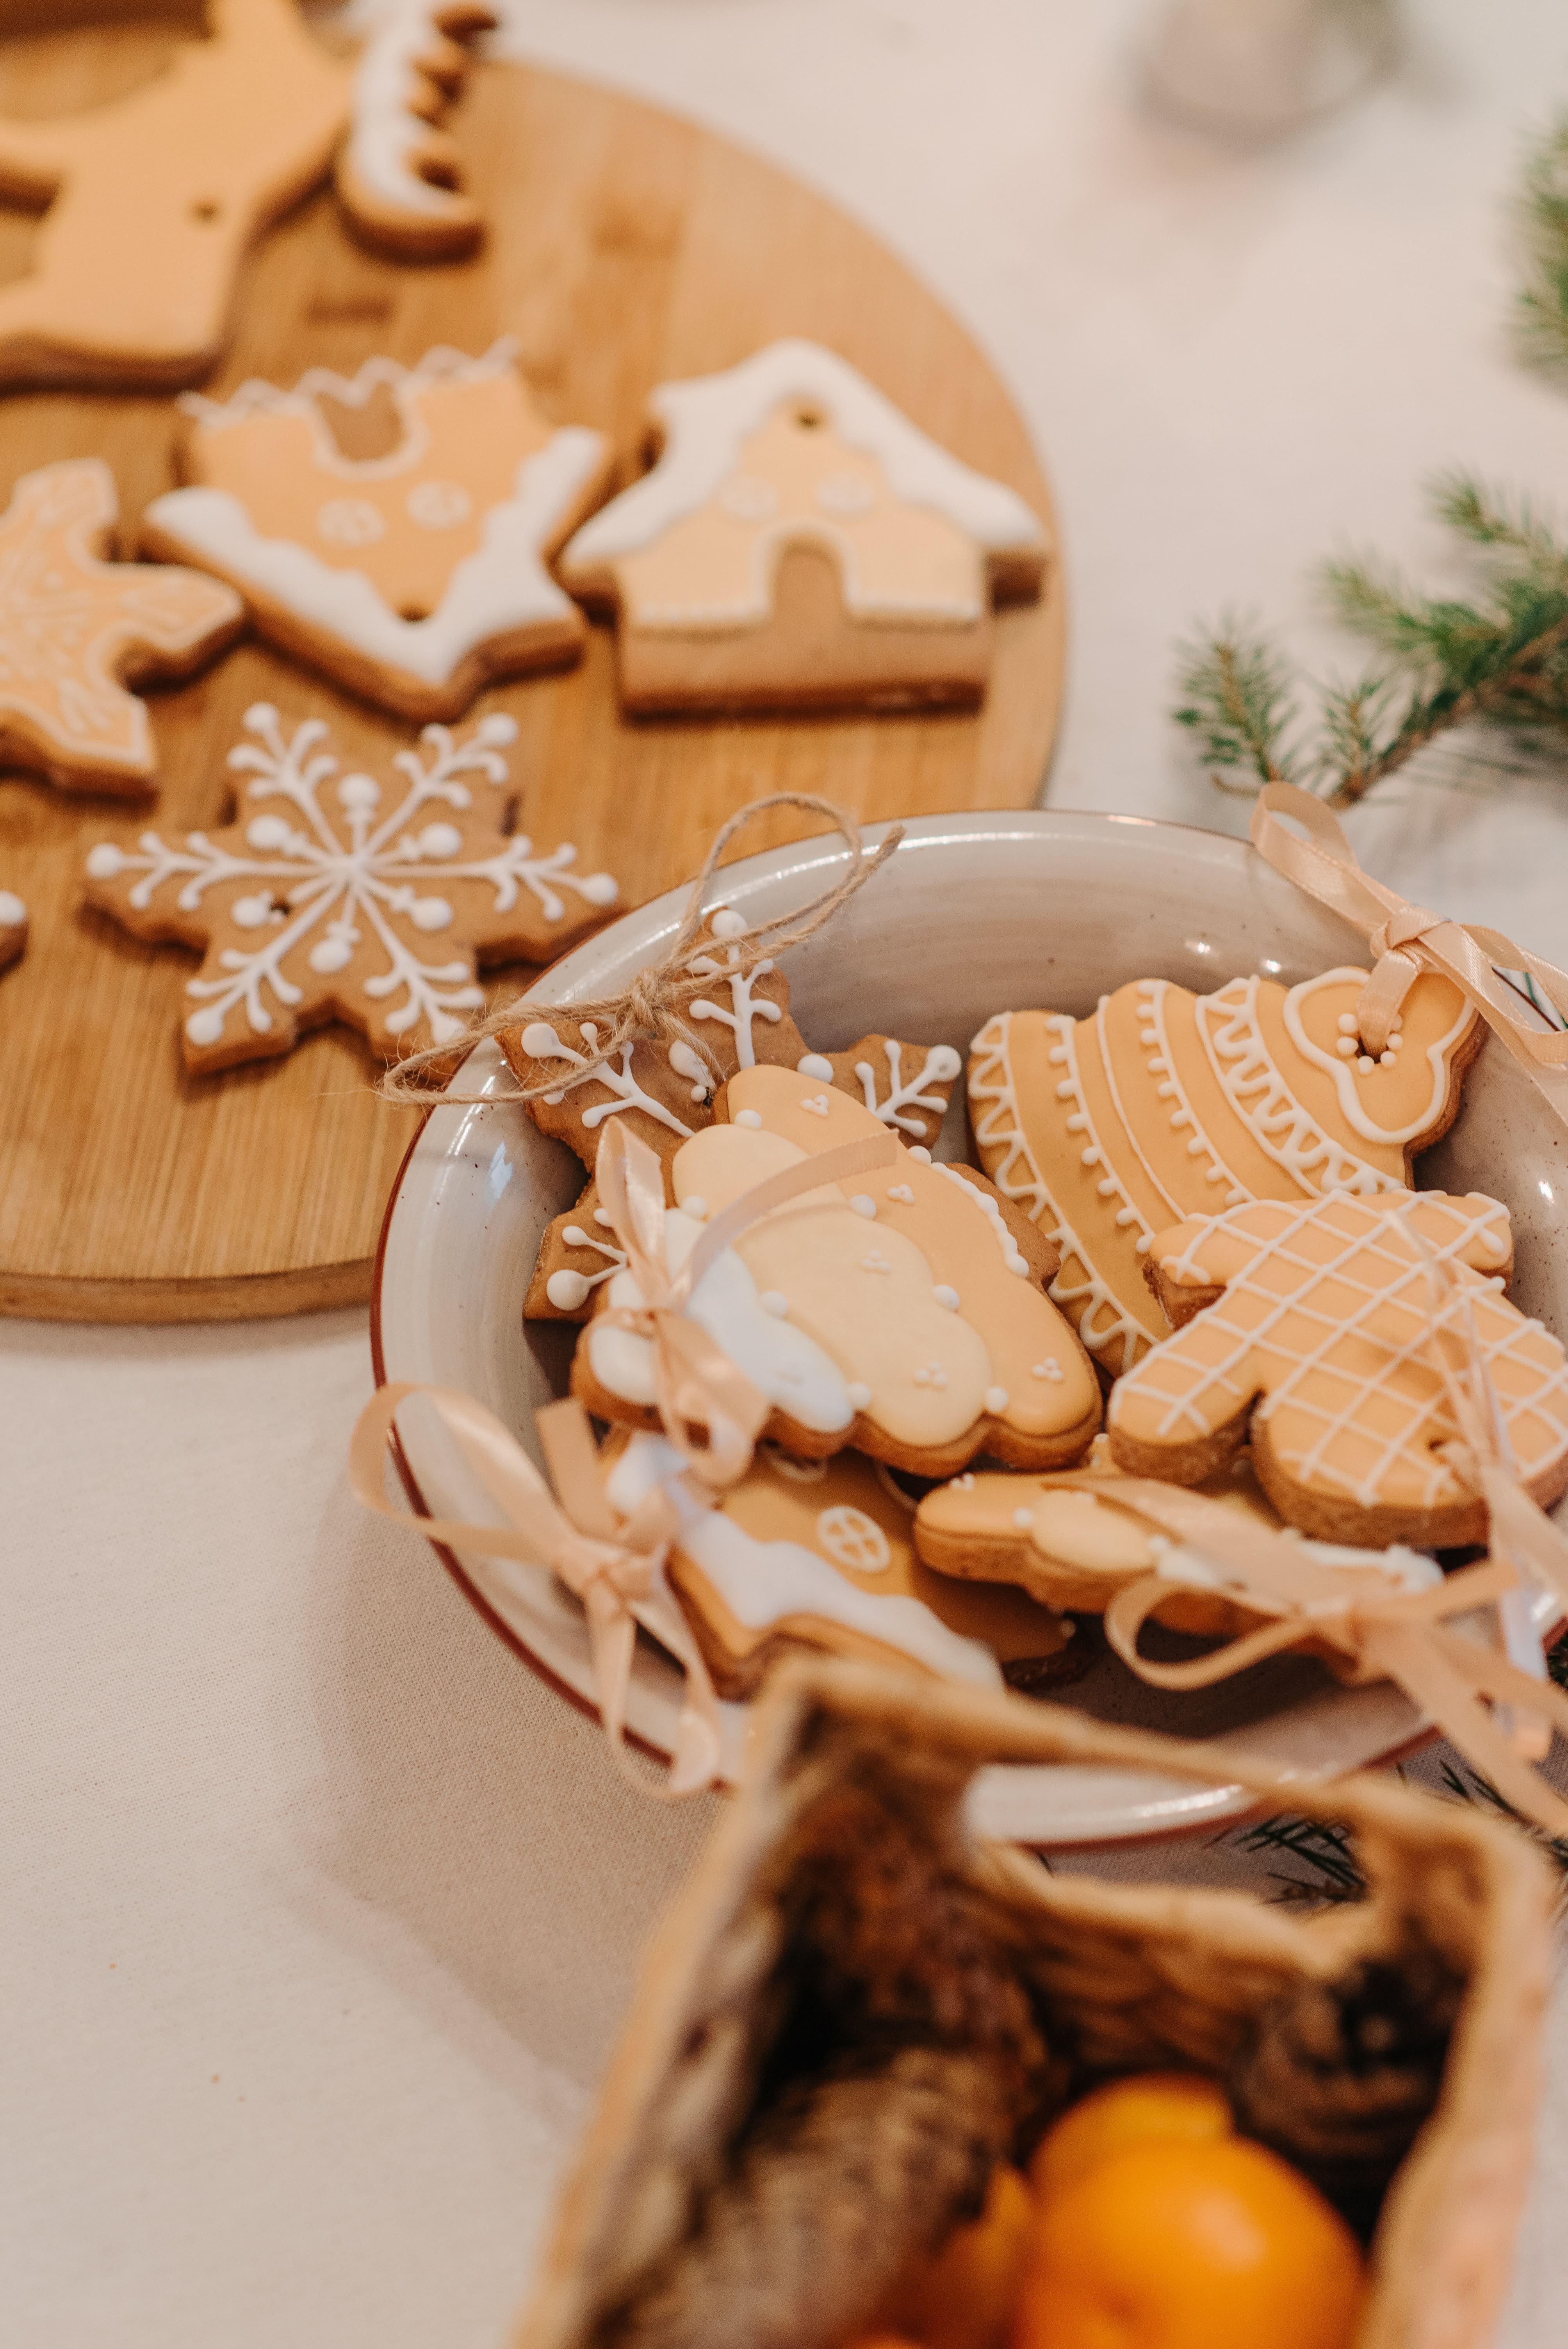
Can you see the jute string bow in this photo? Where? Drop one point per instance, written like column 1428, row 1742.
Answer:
column 697, row 1387
column 653, row 1006
column 1374, row 1629
column 613, row 1563
column 1406, row 939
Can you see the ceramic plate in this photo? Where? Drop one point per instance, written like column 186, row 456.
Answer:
column 973, row 914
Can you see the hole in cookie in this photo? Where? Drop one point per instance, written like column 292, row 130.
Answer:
column 809, row 418
column 206, row 207
column 413, row 611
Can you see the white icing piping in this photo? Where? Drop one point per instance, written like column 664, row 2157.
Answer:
column 941, row 1065
column 541, row 1042
column 1012, row 1256
column 397, row 80
column 1162, row 1065
column 706, row 420
column 567, row 1289
column 1344, row 1072
column 744, row 1007
column 1278, row 1122
column 442, row 365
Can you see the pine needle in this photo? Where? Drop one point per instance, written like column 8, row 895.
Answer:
column 1541, row 316
column 1239, row 698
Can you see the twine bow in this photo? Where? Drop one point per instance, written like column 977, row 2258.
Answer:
column 1406, row 939
column 615, row 1565
column 695, row 1384
column 652, row 1006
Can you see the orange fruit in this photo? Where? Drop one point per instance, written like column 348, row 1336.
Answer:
column 963, row 2297
column 1190, row 2244
column 1126, row 2112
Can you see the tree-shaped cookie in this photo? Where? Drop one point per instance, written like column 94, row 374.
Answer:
column 818, row 1554
column 335, row 896
column 904, row 1313
column 392, row 530
column 1164, row 1104
column 1308, row 1328
column 800, row 542
column 665, row 1093
column 74, row 627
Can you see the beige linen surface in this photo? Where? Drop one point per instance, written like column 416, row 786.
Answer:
column 320, row 1911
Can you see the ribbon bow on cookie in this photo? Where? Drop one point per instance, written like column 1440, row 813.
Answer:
column 615, row 1565
column 1406, row 939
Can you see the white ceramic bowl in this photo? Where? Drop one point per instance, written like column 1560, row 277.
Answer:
column 975, row 913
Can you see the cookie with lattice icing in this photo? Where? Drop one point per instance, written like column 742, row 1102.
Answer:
column 665, row 1093
column 800, row 542
column 904, row 1313
column 818, row 1554
column 393, row 530
column 1164, row 1104
column 1305, row 1328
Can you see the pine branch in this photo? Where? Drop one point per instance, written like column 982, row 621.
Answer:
column 1239, row 698
column 1541, row 316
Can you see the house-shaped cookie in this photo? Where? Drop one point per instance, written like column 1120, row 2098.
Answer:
column 801, row 544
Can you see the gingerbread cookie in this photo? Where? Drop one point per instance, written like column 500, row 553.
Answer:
column 1165, row 1105
column 392, row 530
column 1307, row 1328
column 74, row 626
column 904, row 1313
column 800, row 544
column 13, row 928
column 330, row 897
column 154, row 198
column 399, row 177
column 664, row 1092
column 818, row 1554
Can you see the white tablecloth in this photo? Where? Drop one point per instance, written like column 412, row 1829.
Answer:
column 320, row 1911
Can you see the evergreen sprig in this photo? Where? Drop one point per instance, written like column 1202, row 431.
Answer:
column 1502, row 656
column 1543, row 312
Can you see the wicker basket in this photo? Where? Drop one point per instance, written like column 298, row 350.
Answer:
column 706, row 2206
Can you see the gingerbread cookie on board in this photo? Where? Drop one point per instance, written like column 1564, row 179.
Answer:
column 799, row 543
column 392, row 530
column 1164, row 1104
column 1305, row 1328
column 904, row 1313
column 400, row 179
column 665, row 1093
column 153, row 200
column 331, row 897
column 818, row 1554
column 74, row 627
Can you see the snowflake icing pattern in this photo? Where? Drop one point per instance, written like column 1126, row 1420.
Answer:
column 321, row 906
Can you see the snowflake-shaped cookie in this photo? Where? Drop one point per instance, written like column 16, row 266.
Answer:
column 325, row 897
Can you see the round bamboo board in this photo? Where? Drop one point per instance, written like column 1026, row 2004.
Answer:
column 625, row 248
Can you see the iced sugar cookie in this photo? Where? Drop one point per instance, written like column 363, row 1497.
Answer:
column 904, row 1313
column 1165, row 1105
column 393, row 531
column 335, row 896
column 400, row 179
column 1305, row 1326
column 818, row 1554
column 75, row 627
column 801, row 544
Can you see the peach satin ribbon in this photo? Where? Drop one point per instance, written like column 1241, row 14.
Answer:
column 615, row 1565
column 1406, row 939
column 695, row 1384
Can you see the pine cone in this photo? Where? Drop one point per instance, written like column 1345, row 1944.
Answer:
column 1341, row 2076
column 845, row 2180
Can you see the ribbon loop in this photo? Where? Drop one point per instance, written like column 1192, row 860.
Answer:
column 614, row 1566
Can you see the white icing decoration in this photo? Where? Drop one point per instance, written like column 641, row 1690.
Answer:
column 350, row 521
column 853, row 1540
column 693, row 1206
column 705, row 421
column 996, row 1400
column 1352, row 1104
column 919, row 1154
column 389, row 135
column 945, row 1296
column 438, row 505
column 747, row 499
column 812, row 1064
column 1049, row 1369
column 12, row 913
column 774, row 1301
column 817, row 1103
column 744, row 1007
column 1023, row 1518
column 863, row 1204
column 941, row 1065
column 567, row 1289
column 541, row 1042
column 686, row 1063
column 788, row 1368
column 846, row 494
column 875, row 1264
column 902, row 1192
column 858, row 1394
column 1012, row 1256
column 1232, row 1037
column 930, row 1374
column 726, row 923
column 793, row 1471
column 502, row 586
column 347, row 891
column 747, row 1117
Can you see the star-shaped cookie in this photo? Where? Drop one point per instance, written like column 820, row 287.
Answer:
column 329, row 897
column 74, row 628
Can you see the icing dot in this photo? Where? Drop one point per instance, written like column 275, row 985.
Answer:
column 250, row 913
column 858, row 1395
column 812, row 1064
column 567, row 1289
column 695, row 1207
column 601, row 1216
column 267, row 832
column 752, row 1117
column 1394, row 1040
column 1195, row 1148
column 1014, row 1262
column 1049, row 1369
column 539, row 1041
column 1234, row 1199
column 430, row 914
column 1125, row 1216
column 1348, row 1023
column 330, row 955
column 901, row 1191
column 817, row 1103
column 1058, row 1053
column 1213, row 1173
column 1165, row 1092
column 105, row 861
column 1387, row 1060
column 12, row 913
column 1179, row 1116
column 1141, row 1243
column 774, row 1301
column 1149, row 1036
column 1090, row 1157
column 922, row 1155
column 575, row 1237
column 930, row 1374
column 1366, row 1064
column 996, row 1401
column 439, row 840
column 863, row 1204
column 726, row 923
column 1066, row 1089
column 359, row 795
column 1347, row 1045
column 205, row 1027
column 875, row 1264
column 945, row 1295
column 1077, row 1124
column 1024, row 1520
column 1105, row 1187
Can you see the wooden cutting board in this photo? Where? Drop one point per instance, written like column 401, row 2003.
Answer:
column 625, row 248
